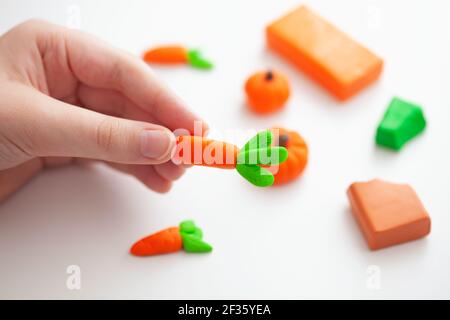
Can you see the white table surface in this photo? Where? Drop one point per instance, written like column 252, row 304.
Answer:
column 295, row 241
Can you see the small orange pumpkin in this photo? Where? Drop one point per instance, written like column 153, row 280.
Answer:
column 267, row 91
column 297, row 155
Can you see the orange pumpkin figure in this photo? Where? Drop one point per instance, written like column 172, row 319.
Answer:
column 267, row 91
column 297, row 155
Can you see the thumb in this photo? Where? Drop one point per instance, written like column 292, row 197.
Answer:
column 61, row 129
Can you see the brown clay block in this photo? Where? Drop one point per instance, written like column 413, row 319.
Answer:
column 388, row 213
column 325, row 53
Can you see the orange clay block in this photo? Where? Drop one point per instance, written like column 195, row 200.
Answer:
column 166, row 55
column 388, row 213
column 165, row 241
column 205, row 152
column 325, row 53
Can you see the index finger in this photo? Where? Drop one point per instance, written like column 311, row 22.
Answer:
column 100, row 65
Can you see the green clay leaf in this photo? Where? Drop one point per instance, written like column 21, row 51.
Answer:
column 281, row 155
column 197, row 233
column 187, row 226
column 262, row 140
column 256, row 175
column 194, row 244
column 196, row 60
column 263, row 156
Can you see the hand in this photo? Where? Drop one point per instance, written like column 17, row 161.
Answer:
column 66, row 96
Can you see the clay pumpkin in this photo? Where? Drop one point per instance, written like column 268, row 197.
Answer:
column 297, row 155
column 267, row 91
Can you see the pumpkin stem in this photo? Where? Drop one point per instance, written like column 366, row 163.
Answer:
column 283, row 140
column 269, row 75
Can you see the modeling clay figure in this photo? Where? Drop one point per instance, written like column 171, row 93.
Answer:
column 267, row 91
column 297, row 159
column 187, row 237
column 248, row 161
column 177, row 55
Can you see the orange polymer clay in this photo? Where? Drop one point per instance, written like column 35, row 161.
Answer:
column 325, row 53
column 205, row 152
column 297, row 159
column 388, row 213
column 165, row 241
column 267, row 91
column 167, row 55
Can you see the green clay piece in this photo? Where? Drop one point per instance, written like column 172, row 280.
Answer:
column 193, row 244
column 197, row 232
column 256, row 175
column 187, row 226
column 401, row 122
column 192, row 238
column 262, row 140
column 257, row 151
column 263, row 156
column 196, row 60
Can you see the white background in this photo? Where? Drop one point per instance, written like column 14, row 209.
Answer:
column 295, row 241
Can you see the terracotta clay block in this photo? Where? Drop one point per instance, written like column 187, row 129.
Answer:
column 325, row 53
column 388, row 213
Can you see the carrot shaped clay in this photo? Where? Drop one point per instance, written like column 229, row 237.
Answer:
column 194, row 150
column 176, row 54
column 186, row 236
column 167, row 55
column 248, row 161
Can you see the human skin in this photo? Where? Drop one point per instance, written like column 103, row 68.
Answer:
column 66, row 97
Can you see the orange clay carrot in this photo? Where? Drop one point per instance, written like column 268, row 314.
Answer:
column 176, row 54
column 167, row 55
column 205, row 152
column 166, row 241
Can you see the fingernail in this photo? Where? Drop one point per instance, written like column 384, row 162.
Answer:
column 156, row 144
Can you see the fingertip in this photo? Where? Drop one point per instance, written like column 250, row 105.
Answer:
column 163, row 187
column 170, row 171
column 154, row 181
column 157, row 145
column 205, row 129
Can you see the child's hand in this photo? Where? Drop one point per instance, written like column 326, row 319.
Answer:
column 65, row 95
